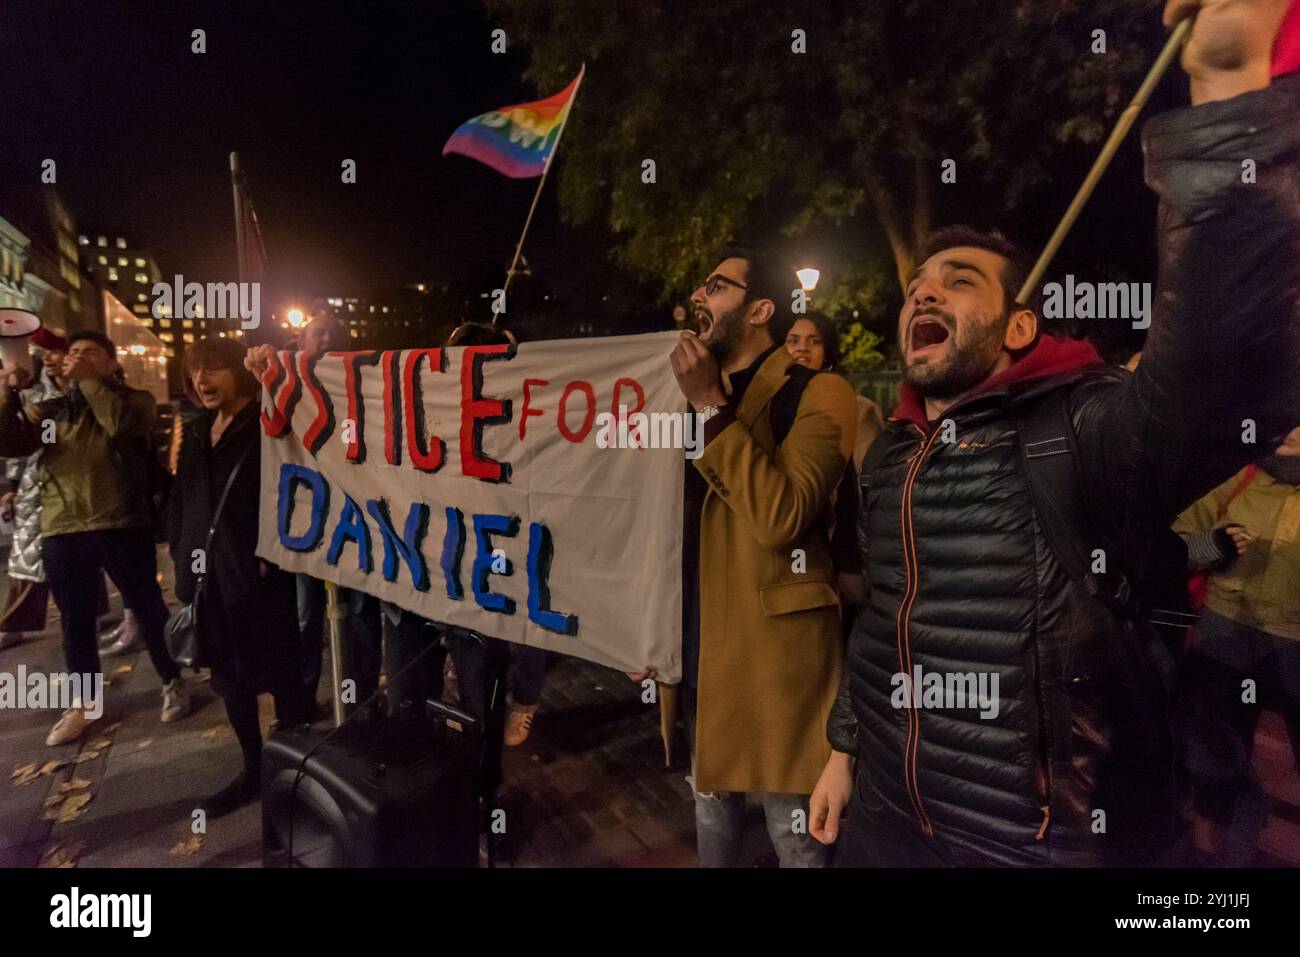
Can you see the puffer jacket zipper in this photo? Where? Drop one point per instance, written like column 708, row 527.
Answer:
column 912, row 571
column 1043, row 768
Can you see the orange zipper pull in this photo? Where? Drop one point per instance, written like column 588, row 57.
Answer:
column 1042, row 828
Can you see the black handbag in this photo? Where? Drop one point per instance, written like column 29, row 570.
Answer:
column 182, row 631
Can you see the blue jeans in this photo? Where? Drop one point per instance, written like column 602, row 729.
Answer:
column 720, row 818
column 719, row 828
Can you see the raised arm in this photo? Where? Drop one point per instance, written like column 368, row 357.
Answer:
column 1219, row 382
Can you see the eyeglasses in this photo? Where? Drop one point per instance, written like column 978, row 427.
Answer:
column 717, row 279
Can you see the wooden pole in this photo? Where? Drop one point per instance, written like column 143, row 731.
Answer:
column 336, row 614
column 1125, row 123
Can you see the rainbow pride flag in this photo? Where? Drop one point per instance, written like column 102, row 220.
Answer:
column 516, row 140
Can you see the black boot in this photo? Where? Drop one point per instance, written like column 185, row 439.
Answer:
column 243, row 790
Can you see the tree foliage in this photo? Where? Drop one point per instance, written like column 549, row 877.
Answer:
column 845, row 139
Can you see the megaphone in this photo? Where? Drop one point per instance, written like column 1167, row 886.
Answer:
column 16, row 328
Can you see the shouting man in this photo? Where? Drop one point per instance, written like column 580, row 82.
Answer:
column 1005, row 700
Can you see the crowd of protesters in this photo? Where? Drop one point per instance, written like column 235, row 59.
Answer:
column 1027, row 515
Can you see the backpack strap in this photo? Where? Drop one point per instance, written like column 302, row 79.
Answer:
column 875, row 454
column 1049, row 453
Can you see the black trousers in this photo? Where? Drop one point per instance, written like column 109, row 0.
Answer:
column 481, row 667
column 73, row 562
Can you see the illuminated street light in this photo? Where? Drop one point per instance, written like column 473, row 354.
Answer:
column 296, row 318
column 808, row 278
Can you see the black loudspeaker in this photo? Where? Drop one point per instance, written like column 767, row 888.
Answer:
column 378, row 793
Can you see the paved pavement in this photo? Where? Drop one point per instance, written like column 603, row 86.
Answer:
column 589, row 787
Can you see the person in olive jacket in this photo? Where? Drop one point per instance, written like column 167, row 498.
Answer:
column 95, row 475
column 247, row 618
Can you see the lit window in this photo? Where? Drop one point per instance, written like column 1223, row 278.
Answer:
column 372, row 308
column 123, row 261
column 171, row 353
column 103, row 260
column 101, row 242
column 188, row 337
column 352, row 307
column 355, row 334
column 385, row 310
column 121, row 243
column 141, row 277
column 166, row 337
column 112, row 275
column 83, row 241
column 187, row 323
column 139, row 263
column 141, row 297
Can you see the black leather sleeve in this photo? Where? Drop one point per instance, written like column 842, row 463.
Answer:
column 1219, row 381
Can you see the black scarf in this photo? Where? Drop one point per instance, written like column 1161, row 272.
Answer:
column 1283, row 468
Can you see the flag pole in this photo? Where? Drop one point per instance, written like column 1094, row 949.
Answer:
column 546, row 169
column 239, row 214
column 1126, row 120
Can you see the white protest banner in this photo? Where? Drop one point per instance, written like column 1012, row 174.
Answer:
column 470, row 486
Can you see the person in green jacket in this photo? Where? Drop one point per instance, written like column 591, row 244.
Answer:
column 95, row 474
column 1246, row 648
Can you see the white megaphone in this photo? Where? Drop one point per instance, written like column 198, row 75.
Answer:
column 16, row 328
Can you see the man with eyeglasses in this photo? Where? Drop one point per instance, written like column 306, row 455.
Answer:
column 761, row 623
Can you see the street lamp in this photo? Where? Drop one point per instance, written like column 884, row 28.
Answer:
column 808, row 278
column 296, row 317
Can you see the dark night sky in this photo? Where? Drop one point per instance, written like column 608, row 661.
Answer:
column 141, row 128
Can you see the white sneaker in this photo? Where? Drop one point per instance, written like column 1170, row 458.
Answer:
column 70, row 726
column 176, row 701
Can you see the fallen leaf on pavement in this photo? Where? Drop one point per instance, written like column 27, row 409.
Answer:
column 101, row 744
column 217, row 731
column 123, row 669
column 76, row 784
column 22, row 770
column 85, row 756
column 113, row 727
column 61, row 854
column 73, row 807
column 187, row 848
column 141, row 745
column 49, row 767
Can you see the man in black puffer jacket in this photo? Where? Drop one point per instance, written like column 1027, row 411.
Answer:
column 1005, row 703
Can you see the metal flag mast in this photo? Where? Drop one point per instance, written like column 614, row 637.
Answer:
column 336, row 613
column 546, row 169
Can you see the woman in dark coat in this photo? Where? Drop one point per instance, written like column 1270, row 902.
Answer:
column 247, row 614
